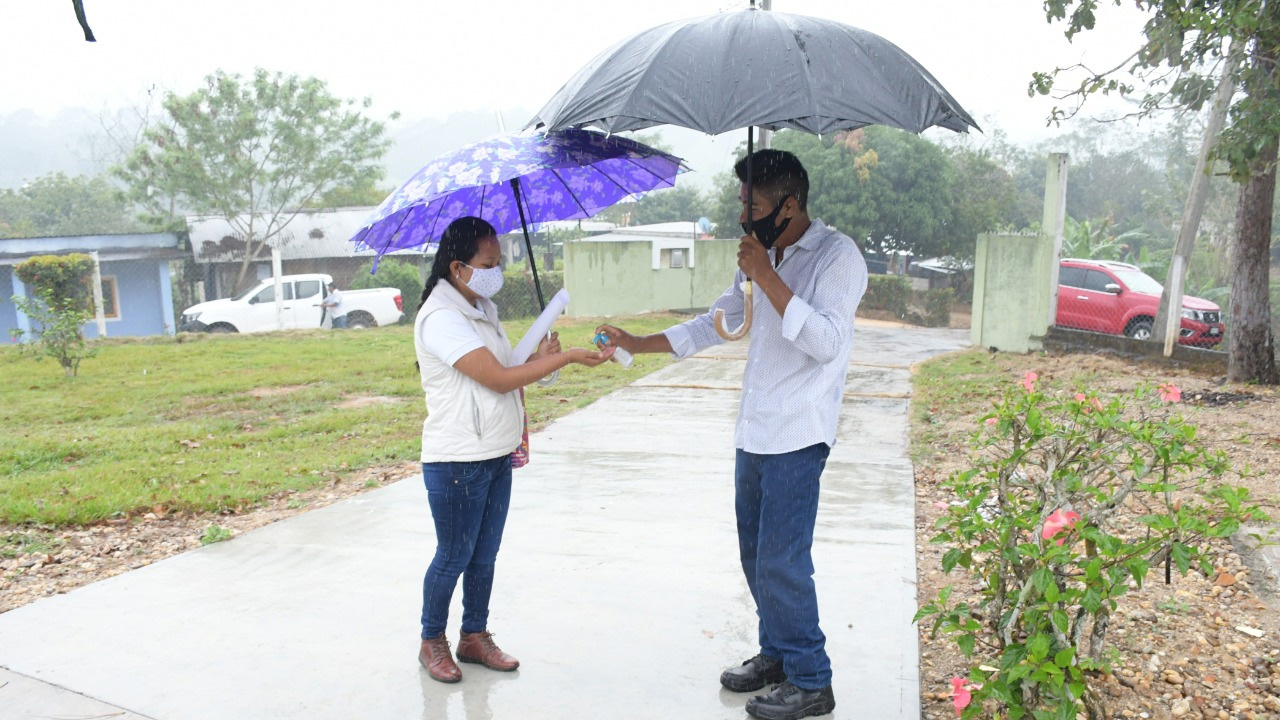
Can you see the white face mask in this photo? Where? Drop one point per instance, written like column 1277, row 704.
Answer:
column 485, row 282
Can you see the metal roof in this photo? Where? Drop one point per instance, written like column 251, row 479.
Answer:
column 310, row 234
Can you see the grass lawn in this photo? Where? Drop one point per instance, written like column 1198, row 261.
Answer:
column 209, row 423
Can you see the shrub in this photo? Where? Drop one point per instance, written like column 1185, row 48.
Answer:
column 396, row 273
column 65, row 278
column 59, row 303
column 518, row 299
column 937, row 306
column 1069, row 501
column 888, row 292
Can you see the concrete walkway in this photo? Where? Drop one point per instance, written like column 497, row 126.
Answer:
column 618, row 584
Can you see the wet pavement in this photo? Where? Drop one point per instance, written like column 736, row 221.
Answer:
column 618, row 585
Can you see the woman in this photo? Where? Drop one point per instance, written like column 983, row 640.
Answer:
column 475, row 420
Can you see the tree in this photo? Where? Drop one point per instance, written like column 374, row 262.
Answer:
column 1186, row 42
column 56, row 205
column 60, row 307
column 983, row 197
column 682, row 203
column 255, row 152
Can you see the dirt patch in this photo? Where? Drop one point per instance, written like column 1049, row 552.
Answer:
column 266, row 392
column 361, row 401
column 1185, row 649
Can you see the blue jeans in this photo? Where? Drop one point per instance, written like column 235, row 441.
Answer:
column 469, row 502
column 777, row 506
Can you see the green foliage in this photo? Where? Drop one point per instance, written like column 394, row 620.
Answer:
column 518, row 297
column 891, row 190
column 1138, row 490
column 682, row 203
column 254, row 151
column 937, row 306
column 215, row 533
column 56, row 205
column 1179, row 59
column 888, row 292
column 363, row 193
column 58, row 302
column 65, row 278
column 397, row 273
column 56, row 334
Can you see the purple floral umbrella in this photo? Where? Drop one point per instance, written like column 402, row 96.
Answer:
column 515, row 180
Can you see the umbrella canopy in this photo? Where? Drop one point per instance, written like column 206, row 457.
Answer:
column 754, row 68
column 513, row 180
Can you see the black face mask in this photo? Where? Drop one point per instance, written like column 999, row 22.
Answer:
column 765, row 229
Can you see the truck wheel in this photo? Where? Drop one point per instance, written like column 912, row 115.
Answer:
column 1140, row 328
column 221, row 328
column 360, row 320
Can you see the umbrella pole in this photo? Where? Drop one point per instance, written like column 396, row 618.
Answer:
column 747, row 306
column 528, row 244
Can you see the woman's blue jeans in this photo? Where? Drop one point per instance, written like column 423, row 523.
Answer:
column 777, row 506
column 469, row 502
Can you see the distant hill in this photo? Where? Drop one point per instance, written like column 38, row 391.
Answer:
column 70, row 142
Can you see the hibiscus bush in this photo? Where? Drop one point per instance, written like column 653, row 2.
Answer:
column 1071, row 500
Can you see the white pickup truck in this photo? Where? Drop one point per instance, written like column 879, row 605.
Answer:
column 254, row 310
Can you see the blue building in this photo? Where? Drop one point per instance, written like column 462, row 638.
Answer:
column 137, row 294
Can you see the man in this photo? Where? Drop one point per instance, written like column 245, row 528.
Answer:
column 332, row 305
column 810, row 279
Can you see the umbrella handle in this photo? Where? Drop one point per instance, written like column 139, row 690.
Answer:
column 741, row 332
column 549, row 380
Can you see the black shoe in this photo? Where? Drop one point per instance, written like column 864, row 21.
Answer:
column 788, row 702
column 753, row 674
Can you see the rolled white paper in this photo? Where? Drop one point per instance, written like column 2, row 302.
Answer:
column 540, row 328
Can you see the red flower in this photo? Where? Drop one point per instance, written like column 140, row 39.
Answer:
column 1058, row 521
column 1170, row 393
column 960, row 696
column 1029, row 381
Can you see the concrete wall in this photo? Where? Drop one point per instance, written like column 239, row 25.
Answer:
column 1011, row 284
column 618, row 278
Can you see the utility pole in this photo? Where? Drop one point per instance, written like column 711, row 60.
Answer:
column 1168, row 322
column 766, row 136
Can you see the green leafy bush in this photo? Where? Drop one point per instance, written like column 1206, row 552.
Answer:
column 937, row 306
column 1071, row 499
column 396, row 273
column 888, row 292
column 518, row 299
column 64, row 278
column 59, row 303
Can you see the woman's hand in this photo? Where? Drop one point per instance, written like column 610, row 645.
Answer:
column 547, row 346
column 590, row 358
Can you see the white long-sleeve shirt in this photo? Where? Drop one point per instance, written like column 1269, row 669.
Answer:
column 793, row 385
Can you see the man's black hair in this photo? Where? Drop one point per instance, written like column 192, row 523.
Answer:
column 777, row 174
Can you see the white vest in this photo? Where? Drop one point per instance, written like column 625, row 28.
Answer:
column 466, row 421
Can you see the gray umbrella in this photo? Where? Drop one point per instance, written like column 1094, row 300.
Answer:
column 753, row 68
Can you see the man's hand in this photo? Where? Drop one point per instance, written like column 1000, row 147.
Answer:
column 619, row 337
column 753, row 259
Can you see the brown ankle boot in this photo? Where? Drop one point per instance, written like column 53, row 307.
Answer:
column 438, row 661
column 479, row 648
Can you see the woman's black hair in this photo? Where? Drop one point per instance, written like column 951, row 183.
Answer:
column 461, row 242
